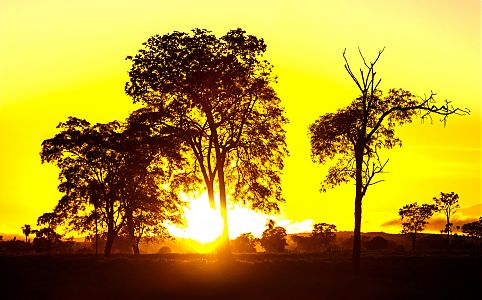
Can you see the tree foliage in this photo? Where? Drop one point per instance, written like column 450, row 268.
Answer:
column 245, row 243
column 274, row 238
column 414, row 218
column 322, row 235
column 474, row 230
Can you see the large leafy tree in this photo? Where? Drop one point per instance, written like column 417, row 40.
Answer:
column 354, row 135
column 111, row 176
column 414, row 218
column 81, row 152
column 447, row 203
column 144, row 179
column 216, row 94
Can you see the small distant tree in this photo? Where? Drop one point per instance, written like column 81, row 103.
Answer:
column 447, row 203
column 323, row 234
column 245, row 243
column 414, row 218
column 474, row 230
column 46, row 238
column 274, row 238
column 26, row 229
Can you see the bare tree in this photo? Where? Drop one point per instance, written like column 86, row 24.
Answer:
column 354, row 135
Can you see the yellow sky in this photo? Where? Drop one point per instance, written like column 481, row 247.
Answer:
column 60, row 58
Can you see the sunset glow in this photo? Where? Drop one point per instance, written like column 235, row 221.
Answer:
column 204, row 225
column 67, row 58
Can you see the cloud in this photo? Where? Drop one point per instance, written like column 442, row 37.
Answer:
column 395, row 222
column 435, row 224
column 473, row 211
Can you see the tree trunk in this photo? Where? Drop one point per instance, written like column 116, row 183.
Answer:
column 448, row 233
column 358, row 212
column 110, row 237
column 131, row 232
column 210, row 187
column 96, row 232
column 414, row 237
column 135, row 248
column 108, row 244
column 224, row 248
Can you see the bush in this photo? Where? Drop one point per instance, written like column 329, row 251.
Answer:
column 274, row 239
column 244, row 243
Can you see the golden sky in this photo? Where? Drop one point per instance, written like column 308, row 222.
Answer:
column 60, row 58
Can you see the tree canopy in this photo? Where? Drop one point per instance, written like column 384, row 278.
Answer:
column 414, row 218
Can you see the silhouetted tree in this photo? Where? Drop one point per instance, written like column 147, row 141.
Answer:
column 26, row 231
column 146, row 181
column 273, row 238
column 117, row 169
column 245, row 243
column 323, row 234
column 447, row 204
column 354, row 135
column 415, row 218
column 46, row 238
column 474, row 230
column 216, row 94
column 83, row 154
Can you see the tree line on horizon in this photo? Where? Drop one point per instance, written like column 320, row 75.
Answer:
column 322, row 239
column 211, row 121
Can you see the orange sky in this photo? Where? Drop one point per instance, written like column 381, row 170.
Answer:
column 60, row 58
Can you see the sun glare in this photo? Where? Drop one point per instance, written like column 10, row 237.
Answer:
column 205, row 225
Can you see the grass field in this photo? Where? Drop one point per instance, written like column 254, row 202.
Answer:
column 256, row 276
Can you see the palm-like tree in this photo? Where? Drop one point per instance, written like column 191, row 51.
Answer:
column 26, row 229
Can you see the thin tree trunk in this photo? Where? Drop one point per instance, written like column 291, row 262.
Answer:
column 135, row 248
column 130, row 230
column 96, row 232
column 210, row 187
column 448, row 233
column 224, row 250
column 110, row 236
column 414, row 237
column 108, row 244
column 358, row 213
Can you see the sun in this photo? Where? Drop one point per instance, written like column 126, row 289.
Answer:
column 205, row 225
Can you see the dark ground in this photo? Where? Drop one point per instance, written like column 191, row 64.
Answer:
column 257, row 276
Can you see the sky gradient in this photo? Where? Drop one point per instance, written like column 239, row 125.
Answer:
column 67, row 58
